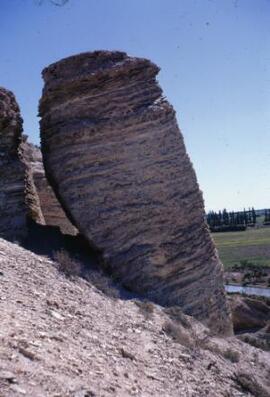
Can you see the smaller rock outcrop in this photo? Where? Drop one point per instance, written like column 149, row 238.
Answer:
column 251, row 319
column 18, row 198
column 260, row 339
column 51, row 209
column 249, row 313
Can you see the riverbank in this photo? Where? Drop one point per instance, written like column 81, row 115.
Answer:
column 248, row 290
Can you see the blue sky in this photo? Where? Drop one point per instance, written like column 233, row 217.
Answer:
column 214, row 57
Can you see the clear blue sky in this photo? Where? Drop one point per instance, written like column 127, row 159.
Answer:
column 215, row 70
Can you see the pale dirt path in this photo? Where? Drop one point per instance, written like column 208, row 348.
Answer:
column 62, row 337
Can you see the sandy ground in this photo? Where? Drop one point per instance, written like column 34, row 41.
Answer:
column 63, row 337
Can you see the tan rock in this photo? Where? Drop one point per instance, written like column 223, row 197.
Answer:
column 18, row 198
column 117, row 161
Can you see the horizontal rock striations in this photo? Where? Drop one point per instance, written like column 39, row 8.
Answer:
column 18, row 199
column 51, row 209
column 117, row 161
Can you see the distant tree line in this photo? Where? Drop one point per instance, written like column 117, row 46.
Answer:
column 266, row 217
column 231, row 221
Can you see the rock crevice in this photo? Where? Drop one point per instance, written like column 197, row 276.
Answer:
column 50, row 207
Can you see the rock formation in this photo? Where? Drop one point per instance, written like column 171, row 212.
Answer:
column 117, row 161
column 249, row 313
column 251, row 319
column 18, row 199
column 51, row 210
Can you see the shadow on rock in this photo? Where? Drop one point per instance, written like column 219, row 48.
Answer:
column 75, row 257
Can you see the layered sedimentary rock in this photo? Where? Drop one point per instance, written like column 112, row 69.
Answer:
column 18, row 199
column 117, row 161
column 51, row 209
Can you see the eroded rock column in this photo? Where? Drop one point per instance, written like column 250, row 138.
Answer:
column 18, row 199
column 117, row 161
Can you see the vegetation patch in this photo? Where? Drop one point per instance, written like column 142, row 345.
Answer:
column 243, row 248
column 146, row 308
column 103, row 283
column 232, row 355
column 176, row 314
column 178, row 333
column 66, row 264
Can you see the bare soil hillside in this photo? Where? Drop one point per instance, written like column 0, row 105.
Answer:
column 61, row 336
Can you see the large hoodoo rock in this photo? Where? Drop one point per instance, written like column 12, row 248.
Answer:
column 117, row 161
column 50, row 207
column 18, row 199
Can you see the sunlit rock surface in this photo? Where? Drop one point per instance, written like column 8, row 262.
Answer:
column 117, row 161
column 18, row 198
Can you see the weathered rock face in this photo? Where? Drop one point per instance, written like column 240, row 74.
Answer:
column 18, row 199
column 117, row 161
column 51, row 209
column 249, row 313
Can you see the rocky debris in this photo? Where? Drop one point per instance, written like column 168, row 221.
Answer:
column 51, row 209
column 249, row 313
column 251, row 319
column 260, row 338
column 251, row 384
column 116, row 159
column 18, row 198
column 63, row 337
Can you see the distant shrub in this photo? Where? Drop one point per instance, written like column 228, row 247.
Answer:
column 249, row 383
column 255, row 341
column 228, row 353
column 67, row 265
column 245, row 264
column 253, row 273
column 228, row 228
column 72, row 267
column 176, row 314
column 178, row 333
column 232, row 355
column 146, row 308
column 103, row 283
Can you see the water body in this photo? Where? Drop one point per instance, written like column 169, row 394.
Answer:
column 248, row 290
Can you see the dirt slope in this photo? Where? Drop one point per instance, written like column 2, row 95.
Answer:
column 63, row 337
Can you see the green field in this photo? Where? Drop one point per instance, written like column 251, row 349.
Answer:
column 252, row 245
